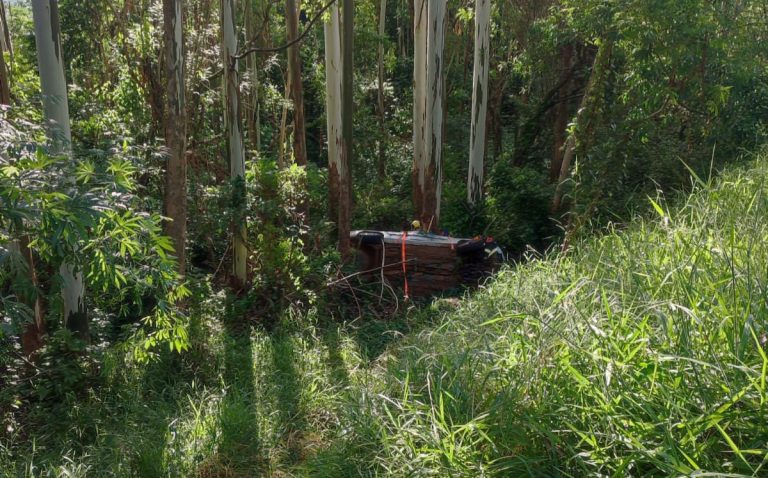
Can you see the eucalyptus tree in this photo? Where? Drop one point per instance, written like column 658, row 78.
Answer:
column 53, row 87
column 6, row 32
column 234, row 135
column 5, row 46
column 420, row 15
column 380, row 97
column 5, row 80
column 433, row 167
column 479, row 101
column 175, row 200
column 336, row 171
column 253, row 105
column 295, row 86
column 347, row 129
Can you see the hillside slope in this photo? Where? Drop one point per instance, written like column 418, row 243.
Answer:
column 640, row 353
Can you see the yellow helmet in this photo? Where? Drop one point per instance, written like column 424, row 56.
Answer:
column 416, row 224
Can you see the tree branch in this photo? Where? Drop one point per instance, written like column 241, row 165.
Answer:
column 290, row 43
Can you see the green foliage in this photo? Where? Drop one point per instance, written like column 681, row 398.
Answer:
column 518, row 203
column 640, row 353
column 75, row 211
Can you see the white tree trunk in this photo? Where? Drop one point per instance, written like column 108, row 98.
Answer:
column 433, row 174
column 234, row 135
column 420, row 15
column 479, row 101
column 56, row 111
column 333, row 100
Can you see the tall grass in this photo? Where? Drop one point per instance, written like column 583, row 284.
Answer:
column 640, row 353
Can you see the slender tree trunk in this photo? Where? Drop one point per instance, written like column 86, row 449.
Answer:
column 380, row 105
column 5, row 79
column 561, row 114
column 433, row 172
column 251, row 65
column 5, row 72
column 479, row 101
column 347, row 155
column 401, row 47
column 232, row 118
column 583, row 123
column 333, row 110
column 6, row 33
column 420, row 15
column 281, row 147
column 152, row 85
column 175, row 131
column 32, row 337
column 296, row 88
column 56, row 111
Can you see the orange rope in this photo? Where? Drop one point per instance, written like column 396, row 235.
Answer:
column 405, row 276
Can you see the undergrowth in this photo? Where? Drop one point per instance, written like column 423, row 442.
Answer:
column 641, row 352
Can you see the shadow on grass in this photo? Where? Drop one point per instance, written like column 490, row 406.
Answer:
column 288, row 390
column 239, row 450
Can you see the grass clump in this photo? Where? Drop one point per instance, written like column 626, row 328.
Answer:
column 639, row 353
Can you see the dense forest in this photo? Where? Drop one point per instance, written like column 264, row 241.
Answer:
column 182, row 292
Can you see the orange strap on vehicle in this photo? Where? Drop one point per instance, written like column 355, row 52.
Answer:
column 405, row 276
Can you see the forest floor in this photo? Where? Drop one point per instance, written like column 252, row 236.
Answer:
column 640, row 352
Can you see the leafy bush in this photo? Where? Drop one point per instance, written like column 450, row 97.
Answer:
column 84, row 212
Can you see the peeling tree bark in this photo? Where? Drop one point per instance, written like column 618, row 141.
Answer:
column 175, row 131
column 433, row 171
column 296, row 87
column 333, row 110
column 234, row 133
column 56, row 111
column 420, row 15
column 479, row 102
